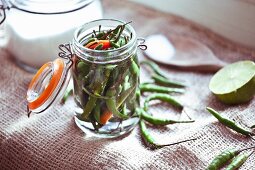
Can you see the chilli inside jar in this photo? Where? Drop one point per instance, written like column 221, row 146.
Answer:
column 106, row 76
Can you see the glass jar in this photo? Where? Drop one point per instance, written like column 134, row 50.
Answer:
column 105, row 82
column 34, row 28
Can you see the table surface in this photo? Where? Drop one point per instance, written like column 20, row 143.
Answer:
column 52, row 141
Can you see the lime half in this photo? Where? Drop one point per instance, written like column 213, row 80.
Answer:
column 235, row 83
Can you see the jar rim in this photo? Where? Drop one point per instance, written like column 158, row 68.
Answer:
column 81, row 49
column 50, row 6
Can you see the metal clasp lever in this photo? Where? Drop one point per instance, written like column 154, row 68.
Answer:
column 3, row 7
column 141, row 44
column 65, row 51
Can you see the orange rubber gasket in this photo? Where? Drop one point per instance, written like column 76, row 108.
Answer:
column 58, row 70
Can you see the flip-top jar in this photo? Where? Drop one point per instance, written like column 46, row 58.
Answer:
column 33, row 29
column 105, row 71
column 105, row 81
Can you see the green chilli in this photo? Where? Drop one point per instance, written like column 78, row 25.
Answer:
column 122, row 27
column 154, row 67
column 99, row 47
column 238, row 161
column 100, row 35
column 165, row 82
column 88, row 107
column 159, row 89
column 97, row 112
column 151, row 142
column 68, row 93
column 90, row 40
column 221, row 159
column 138, row 96
column 111, row 104
column 224, row 157
column 100, row 80
column 162, row 97
column 134, row 68
column 114, row 44
column 83, row 68
column 229, row 123
column 123, row 96
column 161, row 121
column 117, row 29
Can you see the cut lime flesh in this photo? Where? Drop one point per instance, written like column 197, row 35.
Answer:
column 235, row 83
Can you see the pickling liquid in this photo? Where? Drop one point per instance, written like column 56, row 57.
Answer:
column 102, row 88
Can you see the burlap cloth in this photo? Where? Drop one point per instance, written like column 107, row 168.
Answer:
column 52, row 141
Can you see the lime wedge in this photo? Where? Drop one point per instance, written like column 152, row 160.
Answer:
column 235, row 83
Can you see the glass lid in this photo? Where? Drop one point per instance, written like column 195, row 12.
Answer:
column 48, row 85
column 49, row 6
